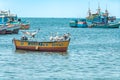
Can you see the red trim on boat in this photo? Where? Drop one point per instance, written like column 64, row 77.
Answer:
column 43, row 49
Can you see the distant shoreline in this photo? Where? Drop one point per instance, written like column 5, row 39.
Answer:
column 55, row 17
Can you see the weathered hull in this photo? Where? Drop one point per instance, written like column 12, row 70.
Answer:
column 45, row 49
column 14, row 29
column 24, row 26
column 106, row 26
column 75, row 25
column 3, row 31
column 60, row 46
column 78, row 24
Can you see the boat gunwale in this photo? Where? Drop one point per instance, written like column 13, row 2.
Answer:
column 40, row 41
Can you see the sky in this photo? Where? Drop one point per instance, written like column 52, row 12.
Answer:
column 59, row 8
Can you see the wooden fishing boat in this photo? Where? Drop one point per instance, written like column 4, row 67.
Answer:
column 56, row 44
column 24, row 26
column 12, row 22
column 80, row 23
column 52, row 46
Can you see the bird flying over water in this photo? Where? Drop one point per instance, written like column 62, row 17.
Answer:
column 32, row 34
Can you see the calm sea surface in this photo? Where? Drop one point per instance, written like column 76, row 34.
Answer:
column 93, row 54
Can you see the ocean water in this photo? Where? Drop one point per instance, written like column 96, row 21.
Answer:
column 93, row 54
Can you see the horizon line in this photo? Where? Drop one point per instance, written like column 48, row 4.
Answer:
column 55, row 17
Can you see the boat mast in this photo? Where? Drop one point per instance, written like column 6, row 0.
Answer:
column 106, row 12
column 98, row 8
column 89, row 11
column 8, row 12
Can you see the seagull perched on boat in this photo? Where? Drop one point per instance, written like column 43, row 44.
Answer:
column 32, row 34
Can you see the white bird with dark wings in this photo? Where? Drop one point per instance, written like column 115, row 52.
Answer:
column 32, row 34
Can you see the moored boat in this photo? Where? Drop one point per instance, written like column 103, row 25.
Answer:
column 56, row 44
column 52, row 46
column 115, row 25
column 10, row 22
column 80, row 23
column 24, row 26
column 101, row 19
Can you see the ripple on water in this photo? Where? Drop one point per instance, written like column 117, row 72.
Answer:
column 93, row 54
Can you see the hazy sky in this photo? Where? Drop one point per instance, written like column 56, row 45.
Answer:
column 58, row 8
